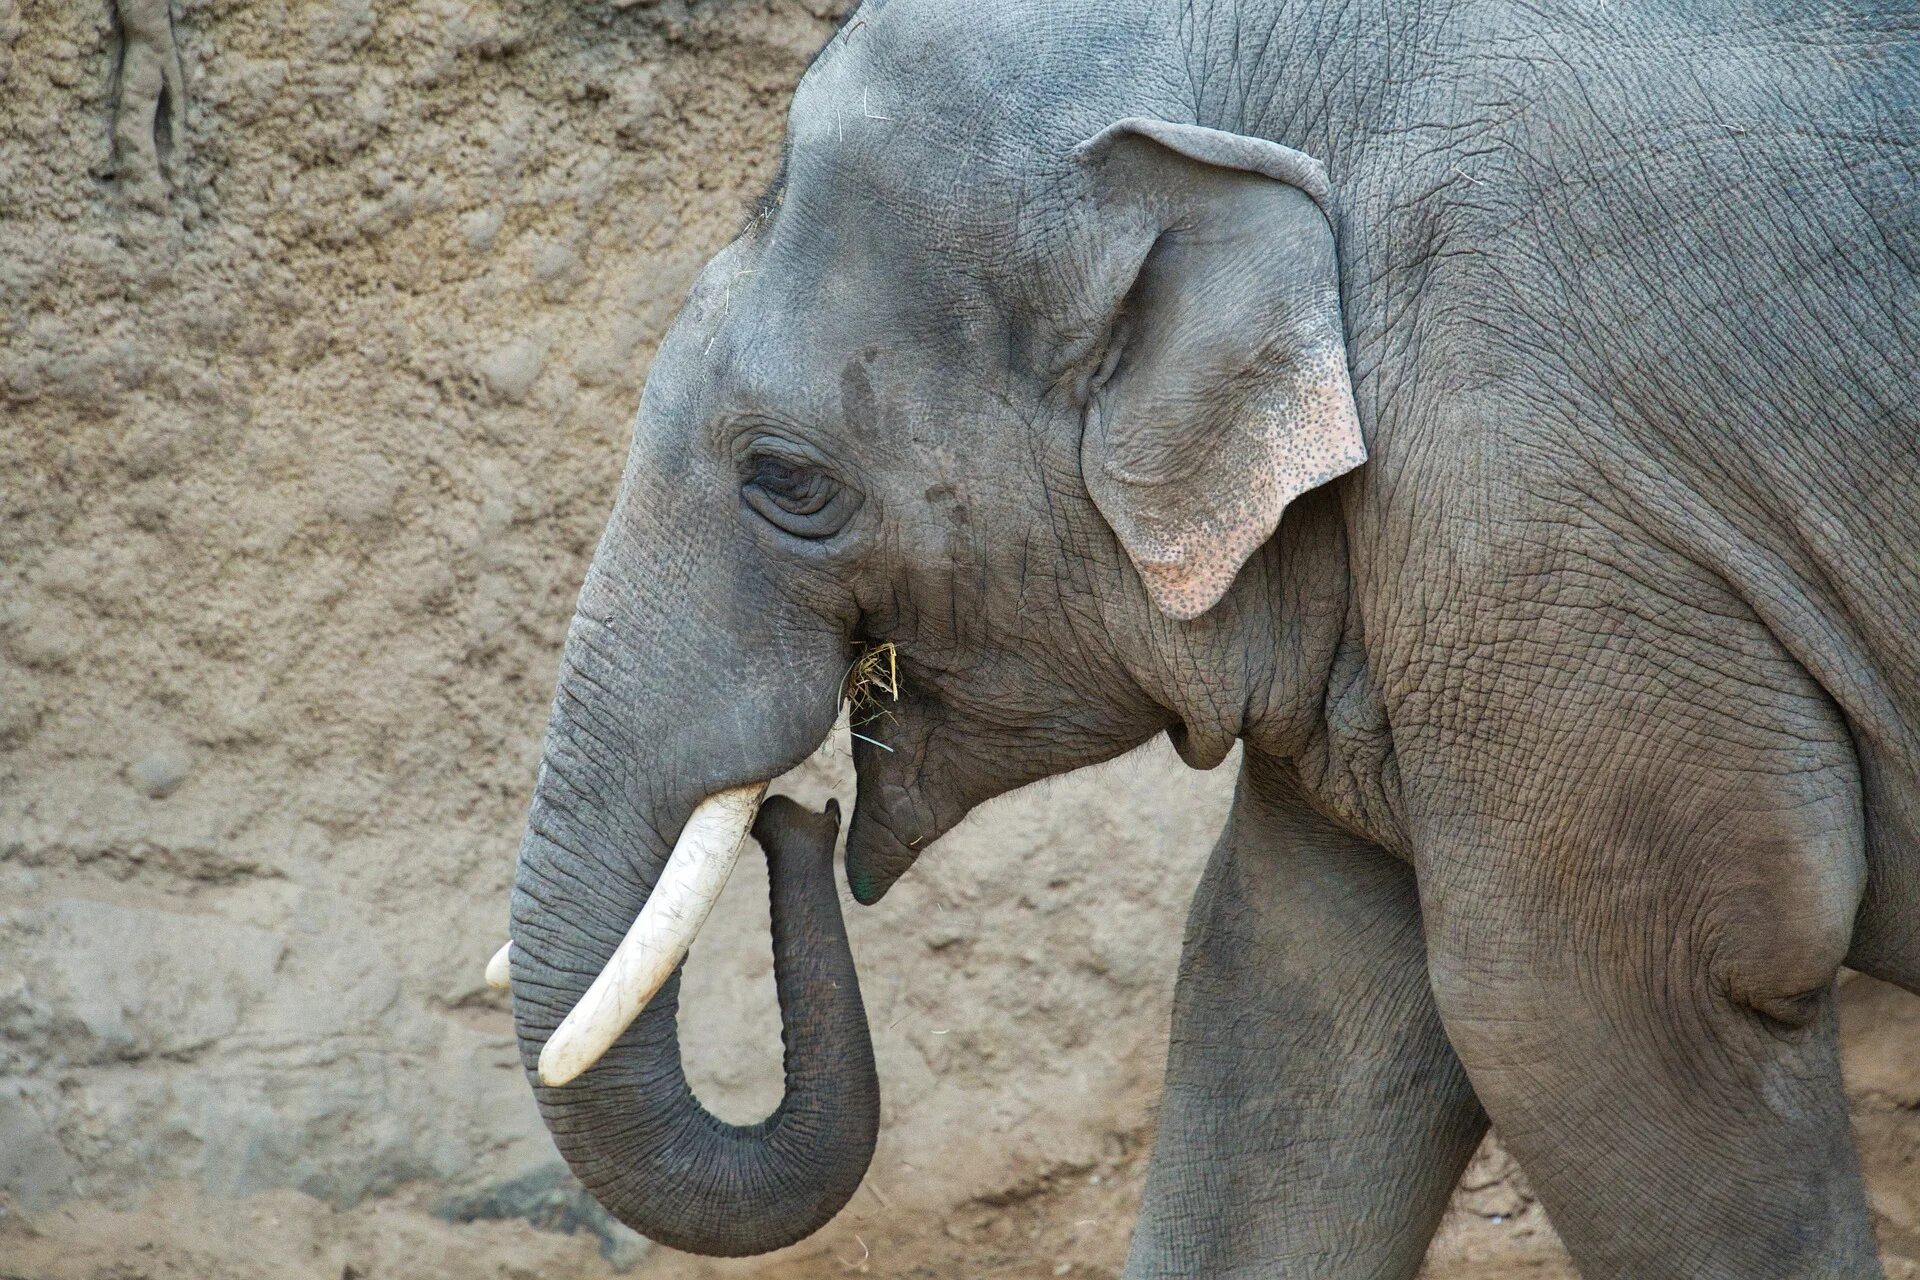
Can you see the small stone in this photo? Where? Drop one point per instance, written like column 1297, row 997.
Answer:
column 481, row 228
column 49, row 639
column 552, row 261
column 364, row 491
column 510, row 371
column 942, row 935
column 160, row 773
column 558, row 269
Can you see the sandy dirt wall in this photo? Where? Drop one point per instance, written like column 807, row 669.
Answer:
column 321, row 327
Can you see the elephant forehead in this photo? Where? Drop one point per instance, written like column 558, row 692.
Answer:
column 929, row 109
column 821, row 325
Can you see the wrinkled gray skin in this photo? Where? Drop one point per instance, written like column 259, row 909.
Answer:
column 1582, row 723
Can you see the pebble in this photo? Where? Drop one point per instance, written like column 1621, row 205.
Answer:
column 510, row 370
column 160, row 773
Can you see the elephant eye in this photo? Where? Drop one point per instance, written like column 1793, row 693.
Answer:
column 800, row 490
column 796, row 496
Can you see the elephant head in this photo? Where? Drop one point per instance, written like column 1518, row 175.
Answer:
column 1019, row 381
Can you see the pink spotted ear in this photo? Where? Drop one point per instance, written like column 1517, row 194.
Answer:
column 1230, row 396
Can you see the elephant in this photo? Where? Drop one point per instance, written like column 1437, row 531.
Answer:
column 1498, row 420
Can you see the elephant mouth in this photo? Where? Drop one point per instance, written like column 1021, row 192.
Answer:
column 697, row 870
column 877, row 854
column 908, row 797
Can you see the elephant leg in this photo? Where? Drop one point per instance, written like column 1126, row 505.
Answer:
column 1660, row 1054
column 1315, row 1120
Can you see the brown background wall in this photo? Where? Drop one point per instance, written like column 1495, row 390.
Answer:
column 314, row 398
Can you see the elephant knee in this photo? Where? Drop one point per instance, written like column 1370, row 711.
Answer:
column 1775, row 940
column 1764, row 942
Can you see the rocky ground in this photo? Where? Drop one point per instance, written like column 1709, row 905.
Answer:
column 1067, row 1220
column 321, row 325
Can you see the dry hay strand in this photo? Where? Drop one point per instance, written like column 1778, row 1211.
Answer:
column 875, row 674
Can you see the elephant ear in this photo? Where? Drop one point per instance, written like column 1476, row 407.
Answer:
column 1228, row 394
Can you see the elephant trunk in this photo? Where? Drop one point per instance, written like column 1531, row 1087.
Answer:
column 629, row 1125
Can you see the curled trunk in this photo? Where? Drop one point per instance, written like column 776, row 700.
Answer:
column 630, row 1127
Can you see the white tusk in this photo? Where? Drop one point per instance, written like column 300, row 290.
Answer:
column 498, row 968
column 689, row 885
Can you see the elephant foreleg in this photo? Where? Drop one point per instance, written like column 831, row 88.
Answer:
column 1315, row 1119
column 1645, row 1004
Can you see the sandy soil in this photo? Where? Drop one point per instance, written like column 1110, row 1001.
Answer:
column 1071, row 1222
